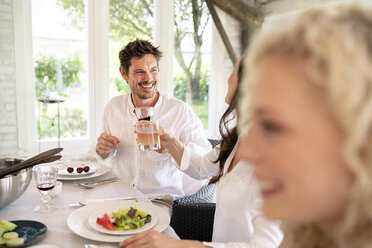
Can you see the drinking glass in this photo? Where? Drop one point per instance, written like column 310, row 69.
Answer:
column 45, row 176
column 144, row 113
column 147, row 135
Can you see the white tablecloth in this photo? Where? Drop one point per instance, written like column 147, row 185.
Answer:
column 58, row 232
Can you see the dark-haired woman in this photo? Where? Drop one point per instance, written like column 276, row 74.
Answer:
column 238, row 220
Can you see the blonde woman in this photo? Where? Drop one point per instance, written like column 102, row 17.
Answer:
column 308, row 126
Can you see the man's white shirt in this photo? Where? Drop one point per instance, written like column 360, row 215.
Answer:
column 149, row 171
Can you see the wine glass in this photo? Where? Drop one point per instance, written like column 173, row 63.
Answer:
column 45, row 176
column 144, row 113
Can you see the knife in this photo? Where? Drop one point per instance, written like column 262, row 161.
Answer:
column 91, row 201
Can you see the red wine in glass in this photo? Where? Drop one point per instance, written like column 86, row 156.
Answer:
column 145, row 119
column 45, row 177
column 45, row 186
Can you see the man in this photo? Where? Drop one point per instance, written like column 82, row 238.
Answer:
column 151, row 172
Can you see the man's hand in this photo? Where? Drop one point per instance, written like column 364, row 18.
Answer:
column 105, row 143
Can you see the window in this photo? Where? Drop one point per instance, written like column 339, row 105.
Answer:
column 128, row 20
column 74, row 50
column 59, row 38
column 88, row 41
column 192, row 40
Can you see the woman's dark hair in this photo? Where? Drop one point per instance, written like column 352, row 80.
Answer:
column 137, row 48
column 229, row 137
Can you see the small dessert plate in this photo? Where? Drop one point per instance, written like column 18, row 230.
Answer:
column 75, row 168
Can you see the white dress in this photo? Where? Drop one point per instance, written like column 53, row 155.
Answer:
column 238, row 221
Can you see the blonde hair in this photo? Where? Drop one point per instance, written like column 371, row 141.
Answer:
column 336, row 44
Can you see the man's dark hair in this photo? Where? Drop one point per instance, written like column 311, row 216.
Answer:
column 137, row 48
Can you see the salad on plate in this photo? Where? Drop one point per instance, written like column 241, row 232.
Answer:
column 124, row 219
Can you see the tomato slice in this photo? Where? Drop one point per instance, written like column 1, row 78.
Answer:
column 105, row 222
column 100, row 221
column 106, row 217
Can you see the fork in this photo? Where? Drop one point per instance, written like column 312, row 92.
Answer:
column 102, row 180
column 93, row 184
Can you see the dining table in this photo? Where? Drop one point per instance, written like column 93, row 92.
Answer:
column 59, row 233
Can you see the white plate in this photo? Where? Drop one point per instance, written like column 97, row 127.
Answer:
column 64, row 172
column 63, row 165
column 78, row 223
column 99, row 170
column 62, row 168
column 140, row 205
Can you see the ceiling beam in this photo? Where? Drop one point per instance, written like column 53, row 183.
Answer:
column 240, row 10
column 222, row 32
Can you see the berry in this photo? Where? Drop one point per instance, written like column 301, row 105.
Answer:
column 70, row 169
column 79, row 170
column 86, row 168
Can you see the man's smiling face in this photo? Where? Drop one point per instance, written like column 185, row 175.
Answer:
column 142, row 77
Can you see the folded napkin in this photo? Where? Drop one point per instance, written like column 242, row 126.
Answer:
column 167, row 198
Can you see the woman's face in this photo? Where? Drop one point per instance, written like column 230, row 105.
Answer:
column 295, row 145
column 232, row 84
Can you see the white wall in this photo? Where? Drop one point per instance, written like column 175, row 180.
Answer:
column 280, row 12
column 8, row 110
